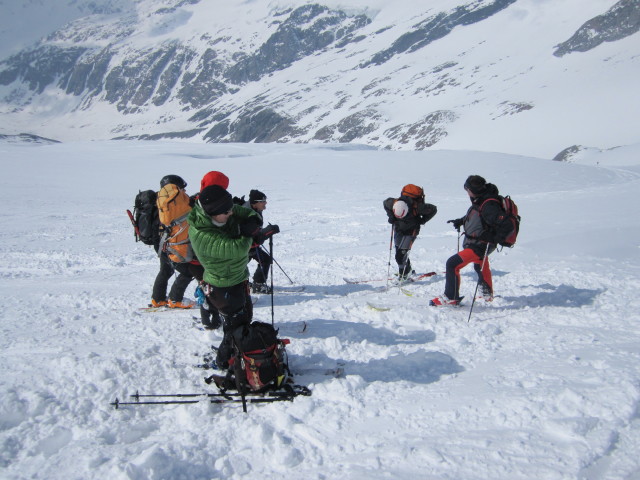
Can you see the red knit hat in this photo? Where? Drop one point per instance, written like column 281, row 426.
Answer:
column 214, row 178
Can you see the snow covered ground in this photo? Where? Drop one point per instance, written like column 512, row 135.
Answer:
column 542, row 383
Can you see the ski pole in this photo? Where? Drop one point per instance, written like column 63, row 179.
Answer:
column 480, row 276
column 393, row 227
column 271, row 268
column 281, row 269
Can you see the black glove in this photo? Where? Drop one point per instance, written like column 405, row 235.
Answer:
column 251, row 227
column 457, row 223
column 266, row 233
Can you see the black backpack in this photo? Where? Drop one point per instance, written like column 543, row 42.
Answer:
column 508, row 227
column 260, row 360
column 145, row 217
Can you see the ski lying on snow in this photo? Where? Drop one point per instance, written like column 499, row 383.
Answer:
column 294, row 289
column 164, row 309
column 378, row 308
column 413, row 278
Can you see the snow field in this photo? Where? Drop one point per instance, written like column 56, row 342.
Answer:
column 543, row 382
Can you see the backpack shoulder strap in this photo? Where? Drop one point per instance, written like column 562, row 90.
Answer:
column 499, row 200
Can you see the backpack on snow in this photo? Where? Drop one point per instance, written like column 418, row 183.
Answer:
column 260, row 361
column 174, row 206
column 506, row 231
column 145, row 218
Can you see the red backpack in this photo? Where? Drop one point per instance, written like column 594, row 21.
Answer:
column 508, row 224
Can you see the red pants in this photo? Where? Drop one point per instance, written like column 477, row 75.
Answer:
column 456, row 263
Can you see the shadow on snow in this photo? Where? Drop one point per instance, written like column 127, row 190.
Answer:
column 353, row 332
column 556, row 296
column 417, row 367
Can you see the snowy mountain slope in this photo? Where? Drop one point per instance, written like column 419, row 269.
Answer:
column 542, row 383
column 484, row 75
column 26, row 22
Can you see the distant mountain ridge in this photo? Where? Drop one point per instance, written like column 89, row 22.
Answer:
column 289, row 71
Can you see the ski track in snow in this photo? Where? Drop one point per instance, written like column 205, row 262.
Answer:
column 543, row 382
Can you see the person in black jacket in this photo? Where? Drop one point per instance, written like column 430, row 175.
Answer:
column 479, row 242
column 258, row 203
column 407, row 215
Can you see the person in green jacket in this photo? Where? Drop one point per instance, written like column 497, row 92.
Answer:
column 221, row 235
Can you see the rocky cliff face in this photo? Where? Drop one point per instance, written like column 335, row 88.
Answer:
column 210, row 84
column 622, row 20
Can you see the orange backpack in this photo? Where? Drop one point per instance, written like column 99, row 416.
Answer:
column 173, row 210
column 412, row 191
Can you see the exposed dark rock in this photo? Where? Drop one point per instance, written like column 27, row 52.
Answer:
column 620, row 21
column 87, row 74
column 41, row 67
column 259, row 125
column 352, row 127
column 568, row 153
column 426, row 133
column 357, row 125
column 26, row 138
column 511, row 108
column 308, row 29
column 438, row 26
column 134, row 83
column 163, row 136
column 201, row 88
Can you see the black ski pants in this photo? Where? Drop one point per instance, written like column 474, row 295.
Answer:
column 186, row 273
column 236, row 310
column 403, row 243
column 264, row 264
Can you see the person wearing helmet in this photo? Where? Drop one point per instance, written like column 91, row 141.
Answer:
column 407, row 214
column 185, row 271
column 174, row 179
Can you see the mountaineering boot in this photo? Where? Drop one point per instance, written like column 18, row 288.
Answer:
column 184, row 303
column 159, row 303
column 443, row 301
column 487, row 293
column 260, row 288
column 406, row 276
column 210, row 320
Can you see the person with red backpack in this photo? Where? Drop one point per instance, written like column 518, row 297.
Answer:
column 480, row 224
column 221, row 234
column 407, row 214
